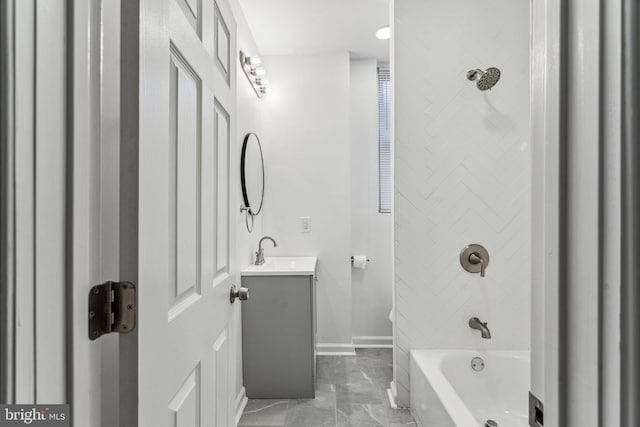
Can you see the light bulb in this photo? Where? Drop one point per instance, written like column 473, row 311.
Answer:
column 263, row 82
column 254, row 61
column 384, row 33
column 265, row 89
column 258, row 71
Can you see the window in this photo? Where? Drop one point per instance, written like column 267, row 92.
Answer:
column 384, row 142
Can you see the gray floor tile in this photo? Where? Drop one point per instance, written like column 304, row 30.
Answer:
column 311, row 416
column 399, row 416
column 350, row 392
column 362, row 416
column 326, row 370
column 264, row 412
column 325, row 398
column 374, row 415
column 349, row 371
column 319, row 412
column 360, row 393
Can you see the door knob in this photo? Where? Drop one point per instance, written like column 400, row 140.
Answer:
column 475, row 259
column 242, row 294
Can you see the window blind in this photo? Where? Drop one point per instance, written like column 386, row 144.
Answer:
column 384, row 141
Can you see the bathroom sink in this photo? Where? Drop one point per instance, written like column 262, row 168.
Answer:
column 283, row 266
column 279, row 329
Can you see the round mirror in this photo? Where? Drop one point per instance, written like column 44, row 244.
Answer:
column 252, row 173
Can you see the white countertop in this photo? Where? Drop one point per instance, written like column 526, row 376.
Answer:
column 283, row 266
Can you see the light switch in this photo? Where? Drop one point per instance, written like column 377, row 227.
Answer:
column 305, row 224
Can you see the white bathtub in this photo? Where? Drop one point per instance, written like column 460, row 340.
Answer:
column 447, row 392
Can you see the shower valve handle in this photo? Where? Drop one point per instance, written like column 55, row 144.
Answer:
column 476, row 258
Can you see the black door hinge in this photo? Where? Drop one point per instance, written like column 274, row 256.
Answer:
column 112, row 308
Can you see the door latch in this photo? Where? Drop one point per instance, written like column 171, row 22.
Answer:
column 536, row 411
column 112, row 308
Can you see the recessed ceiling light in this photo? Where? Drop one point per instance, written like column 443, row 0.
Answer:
column 384, row 33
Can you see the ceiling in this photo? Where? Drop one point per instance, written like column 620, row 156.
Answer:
column 298, row 27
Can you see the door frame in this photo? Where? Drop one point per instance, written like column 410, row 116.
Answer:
column 83, row 214
column 630, row 247
column 551, row 40
column 576, row 252
column 35, row 148
column 49, row 121
column 7, row 281
column 546, row 28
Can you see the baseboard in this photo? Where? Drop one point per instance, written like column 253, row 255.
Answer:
column 392, row 394
column 241, row 402
column 373, row 342
column 329, row 349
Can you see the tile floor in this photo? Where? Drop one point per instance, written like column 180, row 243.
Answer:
column 350, row 392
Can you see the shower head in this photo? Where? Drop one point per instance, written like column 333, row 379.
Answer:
column 485, row 80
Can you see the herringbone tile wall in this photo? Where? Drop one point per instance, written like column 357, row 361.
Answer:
column 462, row 175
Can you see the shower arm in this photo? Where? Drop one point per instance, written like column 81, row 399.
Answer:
column 473, row 74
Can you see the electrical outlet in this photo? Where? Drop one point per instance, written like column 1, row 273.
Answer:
column 305, row 224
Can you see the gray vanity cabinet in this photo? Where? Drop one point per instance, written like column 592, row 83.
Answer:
column 279, row 337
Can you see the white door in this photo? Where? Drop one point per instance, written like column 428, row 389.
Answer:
column 177, row 120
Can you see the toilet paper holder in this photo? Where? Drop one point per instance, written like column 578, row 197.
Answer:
column 352, row 259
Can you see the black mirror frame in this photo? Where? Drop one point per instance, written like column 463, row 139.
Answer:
column 242, row 177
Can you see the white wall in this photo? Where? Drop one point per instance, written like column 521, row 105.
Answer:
column 370, row 230
column 462, row 175
column 249, row 119
column 307, row 159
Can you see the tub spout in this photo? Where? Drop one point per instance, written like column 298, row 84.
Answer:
column 475, row 323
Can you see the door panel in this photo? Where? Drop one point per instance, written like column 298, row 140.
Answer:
column 185, row 120
column 183, row 408
column 221, row 379
column 184, row 238
column 191, row 10
column 192, row 327
column 222, row 45
column 222, row 142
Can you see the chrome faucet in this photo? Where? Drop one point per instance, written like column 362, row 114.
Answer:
column 475, row 323
column 260, row 253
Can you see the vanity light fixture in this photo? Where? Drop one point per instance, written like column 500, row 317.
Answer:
column 384, row 33
column 251, row 65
